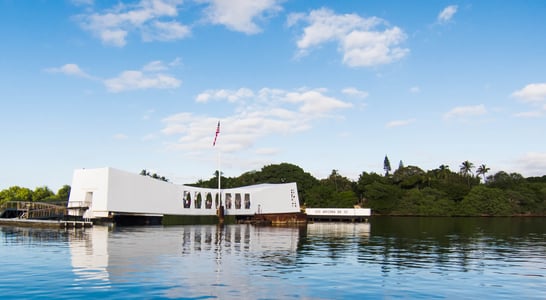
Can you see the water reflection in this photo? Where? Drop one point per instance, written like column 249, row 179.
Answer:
column 452, row 244
column 31, row 236
column 89, row 255
column 249, row 261
column 187, row 256
column 389, row 258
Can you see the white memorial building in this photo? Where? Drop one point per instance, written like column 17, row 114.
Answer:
column 106, row 192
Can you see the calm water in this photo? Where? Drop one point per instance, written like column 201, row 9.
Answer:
column 385, row 259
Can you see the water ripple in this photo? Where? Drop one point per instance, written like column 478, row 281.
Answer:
column 383, row 259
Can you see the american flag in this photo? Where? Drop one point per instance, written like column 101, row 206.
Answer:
column 216, row 135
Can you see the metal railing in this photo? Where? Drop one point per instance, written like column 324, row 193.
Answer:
column 34, row 210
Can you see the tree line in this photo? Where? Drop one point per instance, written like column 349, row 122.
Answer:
column 409, row 190
column 39, row 194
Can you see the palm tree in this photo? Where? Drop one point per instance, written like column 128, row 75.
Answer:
column 444, row 171
column 482, row 170
column 466, row 168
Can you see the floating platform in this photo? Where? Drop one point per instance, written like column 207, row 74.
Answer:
column 45, row 223
column 338, row 214
column 275, row 219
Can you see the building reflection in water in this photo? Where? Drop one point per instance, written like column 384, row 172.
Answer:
column 186, row 258
column 89, row 254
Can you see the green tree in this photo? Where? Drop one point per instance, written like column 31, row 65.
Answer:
column 286, row 172
column 15, row 193
column 382, row 197
column 386, row 165
column 364, row 180
column 409, row 177
column 42, row 193
column 466, row 167
column 144, row 172
column 345, row 199
column 333, row 177
column 278, row 173
column 340, row 183
column 486, row 201
column 504, row 180
column 320, row 196
column 64, row 193
column 425, row 202
column 482, row 170
column 444, row 171
column 409, row 191
column 466, row 170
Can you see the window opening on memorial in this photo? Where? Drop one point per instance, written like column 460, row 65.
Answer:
column 247, row 201
column 88, row 198
column 216, row 200
column 198, row 200
column 237, row 201
column 208, row 201
column 187, row 199
column 228, row 201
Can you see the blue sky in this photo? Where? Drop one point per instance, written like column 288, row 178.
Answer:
column 321, row 84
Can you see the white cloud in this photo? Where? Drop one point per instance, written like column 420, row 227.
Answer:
column 415, row 90
column 177, row 61
column 153, row 18
column 70, row 70
column 534, row 92
column 369, row 48
column 466, row 111
column 230, row 95
column 154, row 66
column 314, row 102
column 351, row 91
column 240, row 15
column 165, row 31
column 120, row 136
column 147, row 78
column 399, row 123
column 267, row 151
column 113, row 37
column 529, row 114
column 263, row 112
column 532, row 164
column 447, row 14
column 137, row 80
column 293, row 18
column 363, row 42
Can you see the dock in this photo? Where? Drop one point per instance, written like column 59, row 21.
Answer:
column 45, row 223
column 338, row 214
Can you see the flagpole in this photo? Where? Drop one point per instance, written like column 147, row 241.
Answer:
column 220, row 209
column 219, row 179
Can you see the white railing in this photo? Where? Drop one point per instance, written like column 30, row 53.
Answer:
column 339, row 212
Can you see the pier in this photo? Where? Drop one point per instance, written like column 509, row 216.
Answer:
column 37, row 214
column 45, row 223
column 338, row 214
